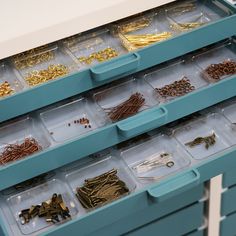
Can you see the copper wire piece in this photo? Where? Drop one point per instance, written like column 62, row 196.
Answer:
column 127, row 108
column 13, row 152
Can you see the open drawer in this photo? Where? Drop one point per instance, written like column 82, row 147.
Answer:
column 83, row 123
column 142, row 205
column 215, row 16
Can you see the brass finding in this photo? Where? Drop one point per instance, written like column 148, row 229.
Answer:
column 100, row 56
column 5, row 89
column 133, row 26
column 186, row 26
column 32, row 57
column 136, row 41
column 40, row 76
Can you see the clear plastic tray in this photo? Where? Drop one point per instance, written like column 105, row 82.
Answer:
column 145, row 159
column 193, row 12
column 217, row 54
column 30, row 183
column 115, row 95
column 213, row 123
column 142, row 25
column 60, row 121
column 41, row 59
column 76, row 178
column 91, row 42
column 174, row 72
column 229, row 111
column 18, row 131
column 35, row 196
column 7, row 75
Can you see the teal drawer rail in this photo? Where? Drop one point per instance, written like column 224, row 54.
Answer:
column 229, row 178
column 228, row 204
column 227, row 226
column 118, row 132
column 84, row 80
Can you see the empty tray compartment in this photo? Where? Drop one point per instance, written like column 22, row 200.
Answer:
column 156, row 158
column 116, row 100
column 9, row 83
column 140, row 31
column 43, row 64
column 94, row 46
column 77, row 179
column 175, row 80
column 35, row 196
column 229, row 112
column 18, row 132
column 71, row 120
column 188, row 15
column 214, row 126
column 209, row 59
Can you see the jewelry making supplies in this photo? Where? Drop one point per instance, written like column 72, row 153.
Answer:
column 164, row 159
column 100, row 56
column 136, row 41
column 186, row 26
column 32, row 57
column 208, row 141
column 53, row 210
column 5, row 89
column 217, row 71
column 15, row 151
column 127, row 108
column 40, row 76
column 101, row 189
column 176, row 89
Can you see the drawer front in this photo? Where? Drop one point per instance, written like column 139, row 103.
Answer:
column 130, row 63
column 176, row 224
column 229, row 178
column 151, row 213
column 228, row 202
column 228, row 226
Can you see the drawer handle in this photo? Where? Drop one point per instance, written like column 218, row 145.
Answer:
column 144, row 121
column 115, row 67
column 175, row 186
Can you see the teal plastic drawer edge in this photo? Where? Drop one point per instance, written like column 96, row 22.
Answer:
column 77, row 83
column 79, row 148
column 153, row 212
column 228, row 226
column 229, row 178
column 228, row 201
column 176, row 224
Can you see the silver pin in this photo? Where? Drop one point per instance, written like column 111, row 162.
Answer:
column 163, row 159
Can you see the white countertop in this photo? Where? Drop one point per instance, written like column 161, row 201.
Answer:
column 27, row 24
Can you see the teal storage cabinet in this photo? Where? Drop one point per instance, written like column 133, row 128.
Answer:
column 163, row 155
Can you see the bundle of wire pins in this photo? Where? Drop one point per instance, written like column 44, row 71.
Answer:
column 17, row 151
column 127, row 108
column 136, row 41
